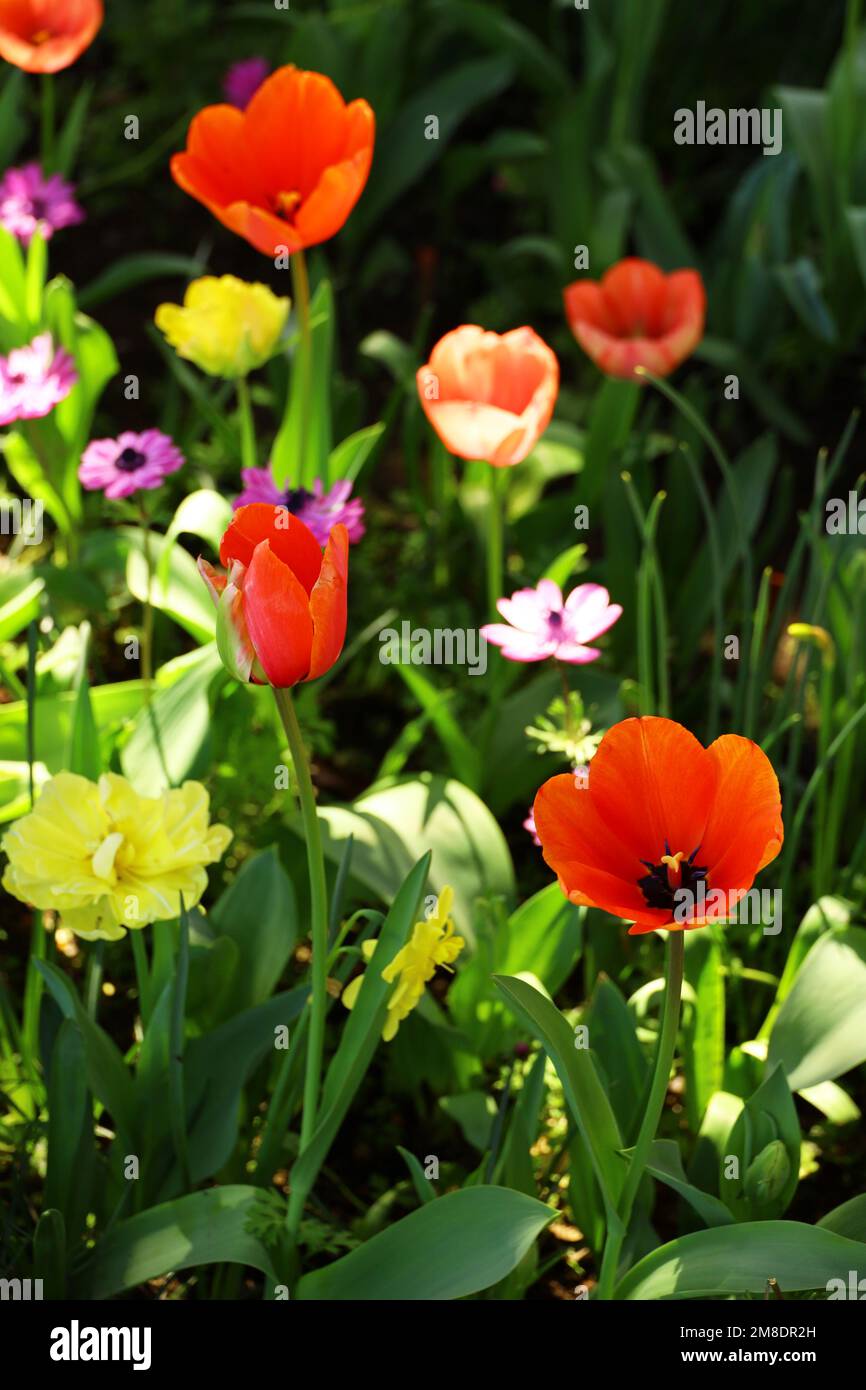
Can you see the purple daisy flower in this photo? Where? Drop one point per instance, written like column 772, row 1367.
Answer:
column 118, row 467
column 34, row 379
column 319, row 510
column 30, row 202
column 243, row 80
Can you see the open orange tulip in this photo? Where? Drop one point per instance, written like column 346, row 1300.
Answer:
column 489, row 397
column 661, row 823
column 285, row 172
column 47, row 35
column 281, row 609
column 637, row 316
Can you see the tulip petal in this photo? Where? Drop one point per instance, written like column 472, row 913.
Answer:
column 290, row 540
column 277, row 612
column 652, row 784
column 744, row 832
column 328, row 603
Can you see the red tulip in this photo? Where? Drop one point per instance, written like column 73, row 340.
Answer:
column 637, row 317
column 489, row 397
column 282, row 606
column 47, row 35
column 287, row 170
column 661, row 814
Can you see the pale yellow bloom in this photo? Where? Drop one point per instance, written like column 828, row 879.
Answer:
column 432, row 943
column 106, row 858
column 225, row 326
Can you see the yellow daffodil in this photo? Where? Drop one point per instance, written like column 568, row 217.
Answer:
column 432, row 943
column 106, row 858
column 225, row 326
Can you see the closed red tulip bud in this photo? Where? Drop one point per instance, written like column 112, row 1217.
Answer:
column 281, row 606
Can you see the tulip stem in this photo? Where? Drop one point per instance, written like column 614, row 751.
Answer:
column 495, row 538
column 147, row 624
column 318, row 913
column 301, row 291
column 655, row 1104
column 249, row 456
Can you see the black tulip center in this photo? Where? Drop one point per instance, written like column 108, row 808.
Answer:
column 657, row 888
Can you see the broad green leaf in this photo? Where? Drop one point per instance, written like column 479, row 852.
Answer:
column 704, row 1024
column 820, row 1030
column 848, row 1220
column 203, row 513
column 15, row 787
column 287, row 465
column 740, row 1259
column 821, row 917
column 451, row 1248
column 112, row 706
column 171, row 732
column 19, row 601
column 475, row 1113
column 259, row 914
column 394, row 823
column 349, row 457
column 424, row 1189
column 767, row 1179
column 463, row 756
column 70, row 1128
column 203, row 1228
column 618, row 1054
column 584, row 1092
column 129, row 271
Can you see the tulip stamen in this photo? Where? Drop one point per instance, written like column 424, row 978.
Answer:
column 672, row 874
column 287, row 204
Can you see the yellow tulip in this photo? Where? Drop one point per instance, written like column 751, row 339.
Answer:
column 225, row 326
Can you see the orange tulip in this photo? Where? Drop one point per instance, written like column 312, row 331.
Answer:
column 285, row 172
column 637, row 317
column 47, row 35
column 489, row 397
column 281, row 609
column 660, row 814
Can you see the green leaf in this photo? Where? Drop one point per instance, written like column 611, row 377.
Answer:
column 740, row 1259
column 19, row 601
column 475, row 1113
column 287, row 466
column 451, row 1248
column 404, row 154
column 171, row 733
column 203, row 513
column 820, row 1030
column 69, row 139
column 348, row 458
column 665, row 1163
column 463, row 756
column 84, row 755
column 617, row 1053
column 362, row 1030
column 848, row 1220
column 259, row 913
column 704, row 1029
column 112, row 705
column 129, row 271
column 397, row 821
column 803, row 287
column 767, row 1119
column 70, row 1125
column 204, row 1228
column 584, row 1092
column 107, row 1075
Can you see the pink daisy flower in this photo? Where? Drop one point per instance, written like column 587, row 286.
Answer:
column 118, row 467
column 529, row 826
column 31, row 202
column 243, row 80
column 319, row 510
column 34, row 379
column 538, row 624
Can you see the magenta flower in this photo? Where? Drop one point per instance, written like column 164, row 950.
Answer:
column 319, row 510
column 34, row 379
column 541, row 625
column 529, row 825
column 243, row 80
column 118, row 467
column 31, row 202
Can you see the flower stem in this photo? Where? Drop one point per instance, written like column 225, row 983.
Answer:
column 655, row 1104
column 318, row 913
column 147, row 624
column 142, row 973
column 495, row 539
column 301, row 291
column 47, row 122
column 249, row 456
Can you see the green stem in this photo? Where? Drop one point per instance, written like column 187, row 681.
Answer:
column 655, row 1104
column 301, row 290
column 47, row 122
column 495, row 540
column 249, row 456
column 176, row 1050
column 147, row 624
column 318, row 915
